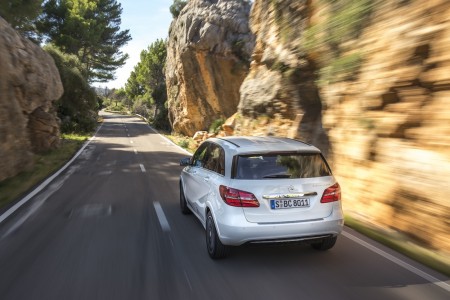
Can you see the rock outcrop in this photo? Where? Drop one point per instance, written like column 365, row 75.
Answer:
column 29, row 83
column 390, row 125
column 280, row 95
column 370, row 86
column 208, row 53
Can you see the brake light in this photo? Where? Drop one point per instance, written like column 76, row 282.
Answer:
column 331, row 194
column 234, row 197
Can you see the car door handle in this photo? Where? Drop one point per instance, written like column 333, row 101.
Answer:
column 206, row 178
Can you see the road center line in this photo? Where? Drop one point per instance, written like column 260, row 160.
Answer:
column 131, row 142
column 142, row 168
column 161, row 216
column 399, row 262
column 135, row 151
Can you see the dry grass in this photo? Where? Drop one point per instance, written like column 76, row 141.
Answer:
column 44, row 165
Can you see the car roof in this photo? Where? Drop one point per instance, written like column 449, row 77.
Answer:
column 264, row 144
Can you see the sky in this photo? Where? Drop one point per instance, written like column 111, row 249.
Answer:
column 147, row 20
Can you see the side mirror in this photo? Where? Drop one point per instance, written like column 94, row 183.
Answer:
column 185, row 161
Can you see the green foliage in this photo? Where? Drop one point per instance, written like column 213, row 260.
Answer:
column 216, row 126
column 161, row 120
column 176, row 7
column 147, row 82
column 45, row 164
column 184, row 143
column 347, row 19
column 89, row 29
column 342, row 68
column 344, row 23
column 77, row 106
column 141, row 107
column 21, row 14
column 367, row 123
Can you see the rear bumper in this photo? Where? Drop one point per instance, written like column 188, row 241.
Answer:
column 238, row 230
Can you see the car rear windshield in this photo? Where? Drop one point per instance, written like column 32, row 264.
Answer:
column 270, row 166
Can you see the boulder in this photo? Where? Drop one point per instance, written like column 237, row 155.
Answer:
column 29, row 83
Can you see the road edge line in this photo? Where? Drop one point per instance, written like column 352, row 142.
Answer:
column 398, row 261
column 157, row 132
column 46, row 182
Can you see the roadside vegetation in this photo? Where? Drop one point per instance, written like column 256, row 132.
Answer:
column 45, row 165
column 145, row 92
column 184, row 142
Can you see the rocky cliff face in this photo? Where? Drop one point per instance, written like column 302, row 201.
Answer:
column 376, row 77
column 280, row 95
column 29, row 82
column 390, row 126
column 209, row 48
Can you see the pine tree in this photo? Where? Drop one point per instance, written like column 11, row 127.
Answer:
column 21, row 14
column 89, row 29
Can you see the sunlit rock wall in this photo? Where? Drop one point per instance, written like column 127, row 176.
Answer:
column 29, row 82
column 390, row 126
column 368, row 82
column 208, row 54
column 280, row 95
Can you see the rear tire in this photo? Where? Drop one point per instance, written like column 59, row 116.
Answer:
column 214, row 246
column 325, row 244
column 183, row 204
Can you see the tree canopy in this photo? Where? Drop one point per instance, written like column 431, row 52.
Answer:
column 89, row 29
column 21, row 14
column 77, row 106
column 177, row 6
column 147, row 82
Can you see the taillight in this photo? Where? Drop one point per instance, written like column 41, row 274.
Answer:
column 238, row 198
column 331, row 194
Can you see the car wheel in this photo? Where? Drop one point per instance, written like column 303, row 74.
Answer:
column 325, row 244
column 183, row 204
column 215, row 247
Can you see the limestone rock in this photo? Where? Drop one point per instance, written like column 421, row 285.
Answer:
column 282, row 82
column 29, row 82
column 209, row 49
column 389, row 126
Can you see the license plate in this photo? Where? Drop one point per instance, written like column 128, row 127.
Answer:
column 289, row 203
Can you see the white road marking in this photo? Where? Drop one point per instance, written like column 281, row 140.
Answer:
column 161, row 216
column 131, row 142
column 135, row 151
column 187, row 279
column 142, row 168
column 169, row 141
column 55, row 186
column 399, row 262
column 24, row 200
column 128, row 134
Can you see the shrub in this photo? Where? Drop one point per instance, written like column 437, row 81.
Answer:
column 77, row 108
column 216, row 126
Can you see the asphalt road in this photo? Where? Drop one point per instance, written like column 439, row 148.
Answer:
column 109, row 227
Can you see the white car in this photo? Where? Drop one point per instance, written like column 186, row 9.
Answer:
column 261, row 190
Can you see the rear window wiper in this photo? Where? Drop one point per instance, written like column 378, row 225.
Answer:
column 277, row 176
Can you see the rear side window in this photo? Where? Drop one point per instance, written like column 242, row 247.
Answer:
column 292, row 165
column 215, row 159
